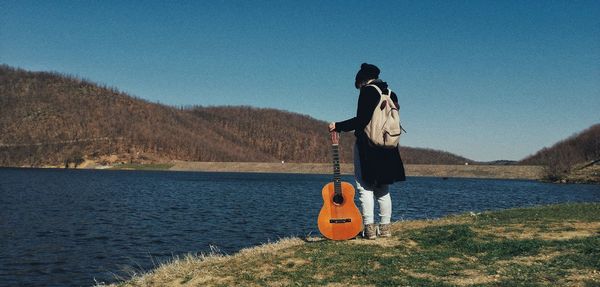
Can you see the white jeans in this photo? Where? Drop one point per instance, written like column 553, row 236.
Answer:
column 369, row 193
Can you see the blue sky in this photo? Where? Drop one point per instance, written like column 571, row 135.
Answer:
column 483, row 79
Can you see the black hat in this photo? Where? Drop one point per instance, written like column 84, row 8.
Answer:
column 366, row 72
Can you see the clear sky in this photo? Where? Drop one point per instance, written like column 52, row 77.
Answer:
column 483, row 79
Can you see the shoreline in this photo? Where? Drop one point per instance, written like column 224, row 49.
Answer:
column 418, row 170
column 519, row 172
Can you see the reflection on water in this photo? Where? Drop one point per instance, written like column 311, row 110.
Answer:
column 69, row 227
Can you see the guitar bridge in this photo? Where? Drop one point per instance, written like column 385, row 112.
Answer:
column 340, row 220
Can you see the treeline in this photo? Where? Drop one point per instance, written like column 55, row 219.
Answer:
column 50, row 118
column 431, row 156
column 579, row 149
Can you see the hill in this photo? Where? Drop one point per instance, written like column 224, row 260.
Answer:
column 48, row 118
column 571, row 155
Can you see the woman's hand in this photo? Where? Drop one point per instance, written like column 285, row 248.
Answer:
column 331, row 127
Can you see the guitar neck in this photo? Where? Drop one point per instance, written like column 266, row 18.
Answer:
column 336, row 169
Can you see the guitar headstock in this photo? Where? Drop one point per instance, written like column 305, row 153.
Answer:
column 335, row 138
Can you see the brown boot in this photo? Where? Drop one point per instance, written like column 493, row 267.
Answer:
column 385, row 230
column 370, row 231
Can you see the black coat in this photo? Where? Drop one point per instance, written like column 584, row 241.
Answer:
column 378, row 165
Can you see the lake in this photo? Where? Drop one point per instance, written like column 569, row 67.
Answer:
column 78, row 227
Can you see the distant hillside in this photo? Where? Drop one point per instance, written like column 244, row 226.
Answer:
column 47, row 118
column 581, row 147
column 574, row 152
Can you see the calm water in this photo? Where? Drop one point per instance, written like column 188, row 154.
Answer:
column 71, row 227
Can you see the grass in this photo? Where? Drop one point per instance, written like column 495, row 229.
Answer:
column 590, row 174
column 470, row 171
column 140, row 166
column 557, row 245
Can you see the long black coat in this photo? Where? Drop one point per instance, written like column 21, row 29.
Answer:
column 378, row 165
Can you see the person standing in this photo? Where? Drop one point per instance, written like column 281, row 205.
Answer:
column 375, row 168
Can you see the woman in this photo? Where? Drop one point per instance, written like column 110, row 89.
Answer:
column 374, row 168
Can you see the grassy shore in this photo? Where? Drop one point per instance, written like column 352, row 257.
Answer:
column 590, row 174
column 146, row 166
column 556, row 245
column 472, row 171
column 433, row 170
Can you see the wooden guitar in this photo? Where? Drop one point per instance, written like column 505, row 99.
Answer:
column 339, row 218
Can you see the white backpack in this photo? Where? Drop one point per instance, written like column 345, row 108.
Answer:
column 384, row 129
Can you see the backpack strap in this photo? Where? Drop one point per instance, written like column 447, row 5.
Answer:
column 379, row 90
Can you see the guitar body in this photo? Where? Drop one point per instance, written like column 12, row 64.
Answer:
column 339, row 219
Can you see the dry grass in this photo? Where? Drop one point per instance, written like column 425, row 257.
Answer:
column 553, row 231
column 267, row 167
column 472, row 171
column 463, row 278
column 590, row 174
column 213, row 268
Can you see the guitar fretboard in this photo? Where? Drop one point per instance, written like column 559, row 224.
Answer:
column 336, row 169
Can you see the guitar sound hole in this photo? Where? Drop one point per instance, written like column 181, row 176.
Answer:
column 338, row 199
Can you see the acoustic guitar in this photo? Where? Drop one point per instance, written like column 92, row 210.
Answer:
column 339, row 218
